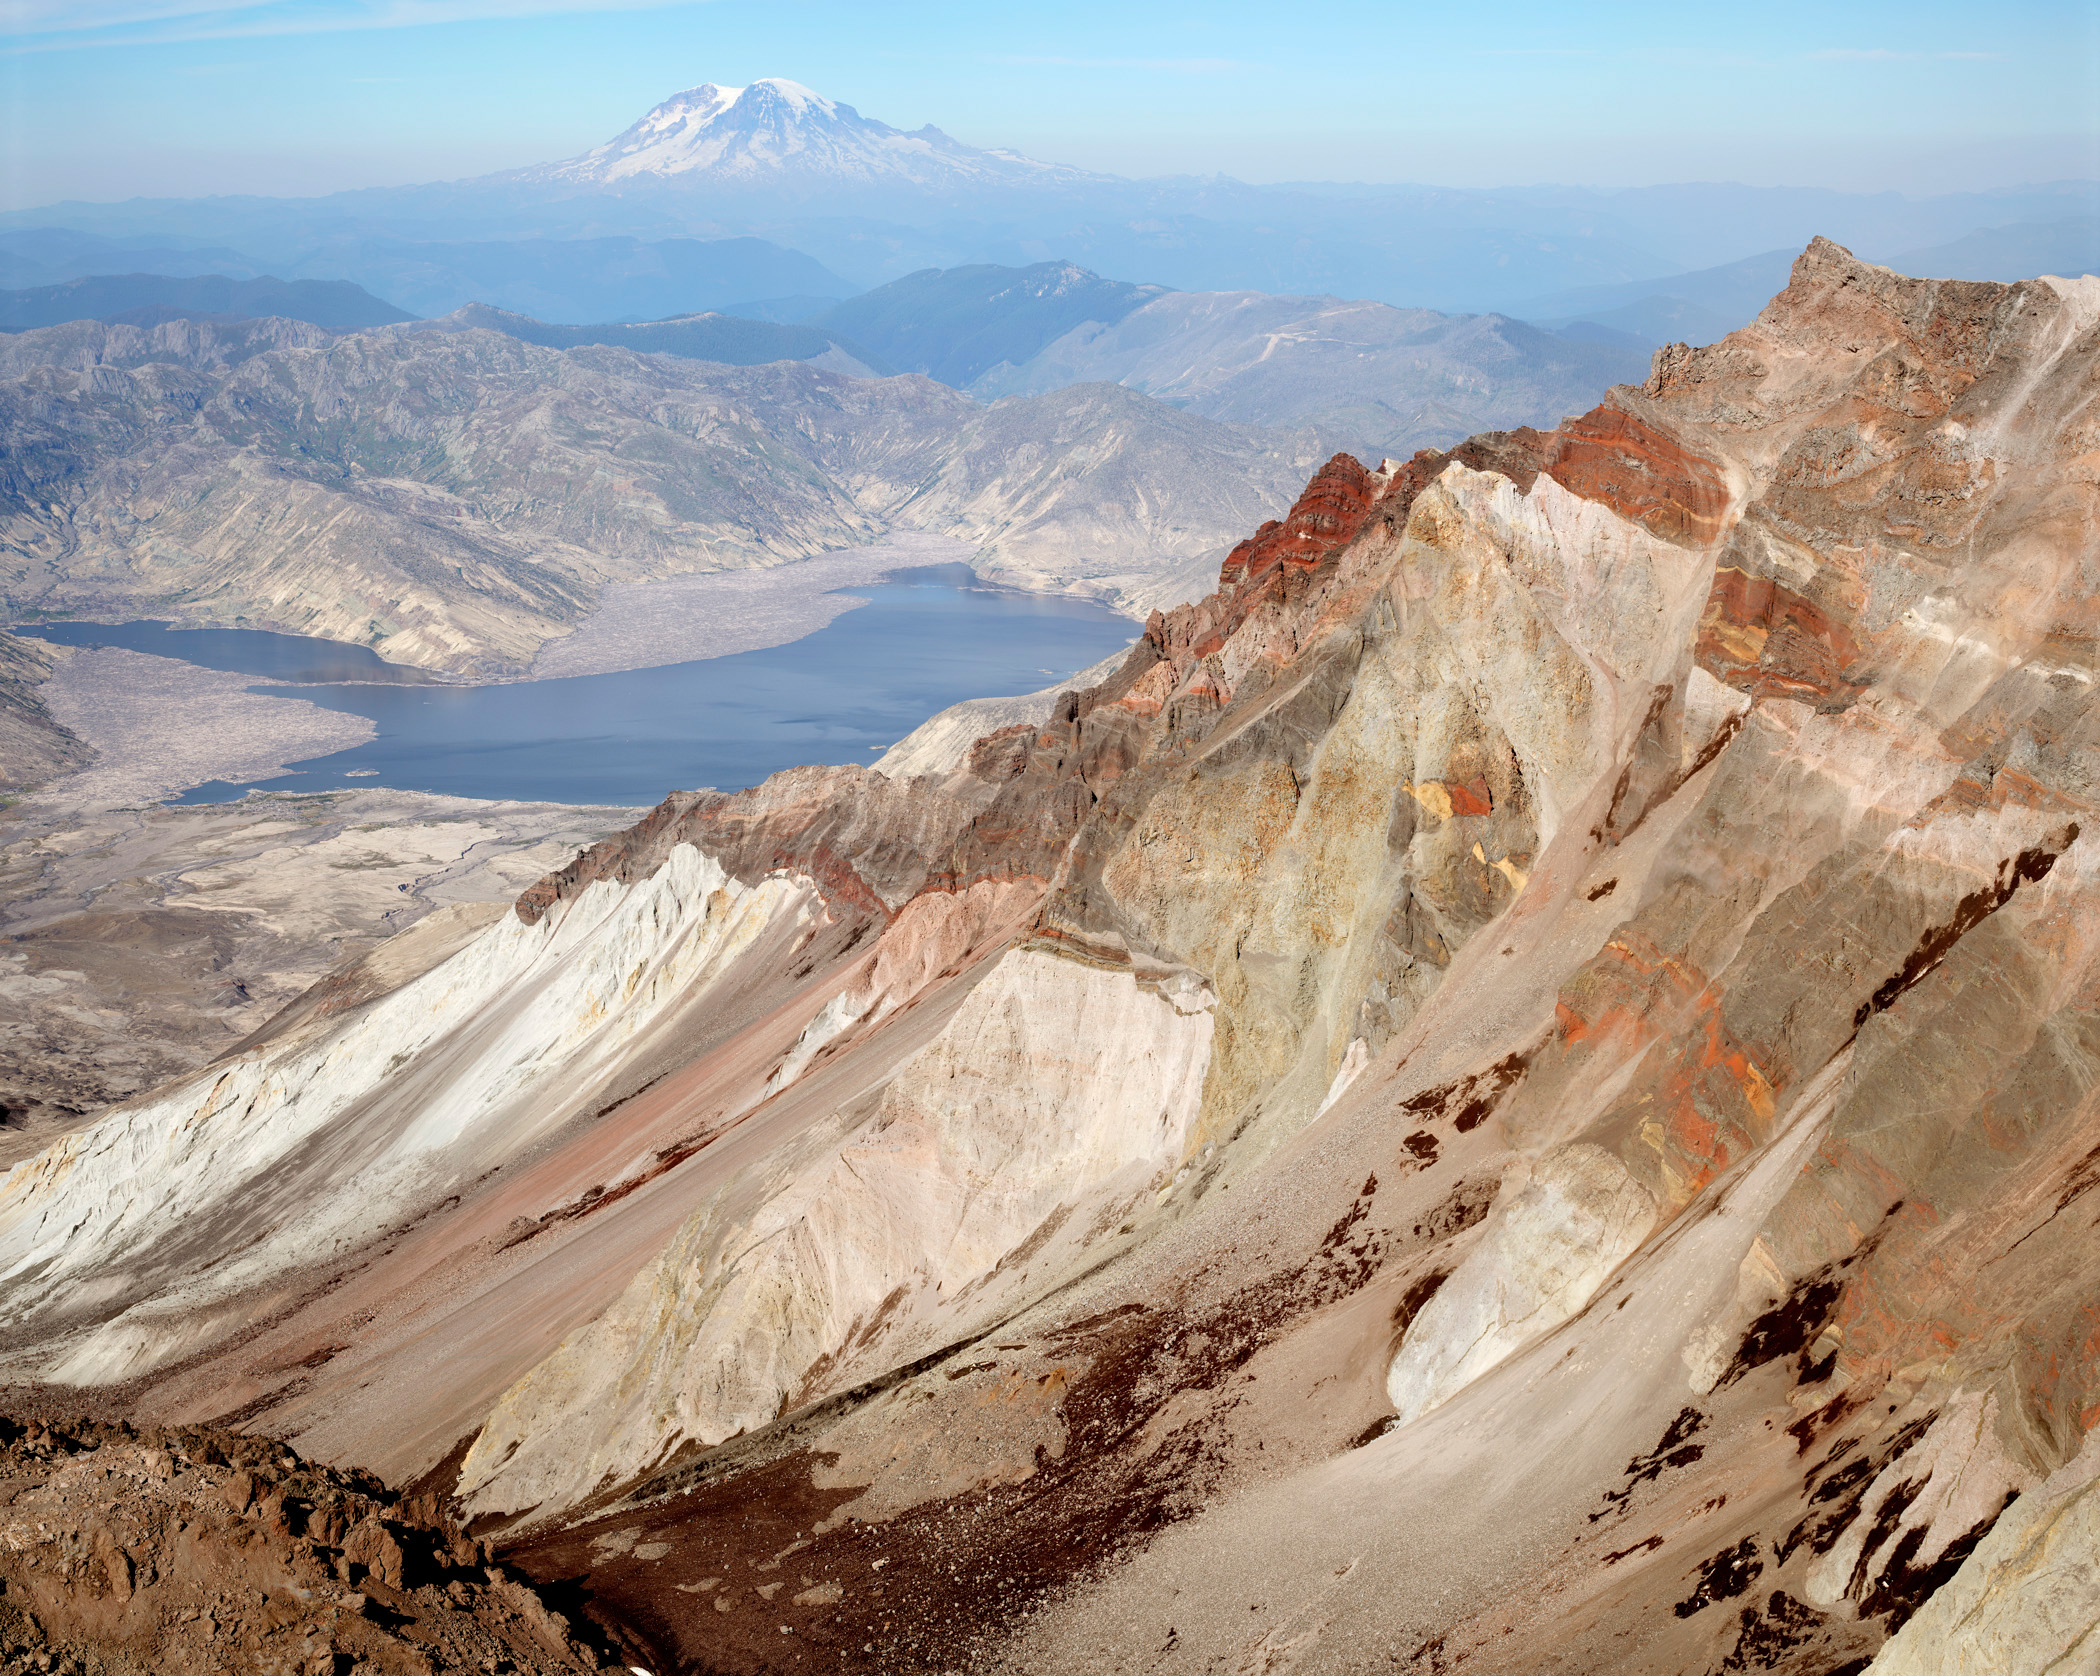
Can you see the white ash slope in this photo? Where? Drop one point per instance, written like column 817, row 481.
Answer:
column 142, row 942
column 294, row 1150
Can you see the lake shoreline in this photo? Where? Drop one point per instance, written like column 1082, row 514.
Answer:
column 881, row 662
column 687, row 618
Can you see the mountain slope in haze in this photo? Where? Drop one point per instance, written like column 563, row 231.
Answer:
column 956, row 324
column 576, row 279
column 149, row 299
column 1695, row 226
column 2069, row 246
column 456, row 498
column 1684, row 308
column 730, row 339
column 582, row 279
column 1704, row 306
column 1383, row 380
column 1514, row 1091
column 35, row 256
column 779, row 134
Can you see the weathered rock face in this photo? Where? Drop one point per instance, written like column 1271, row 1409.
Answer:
column 2029, row 1599
column 1324, row 520
column 1512, row 1092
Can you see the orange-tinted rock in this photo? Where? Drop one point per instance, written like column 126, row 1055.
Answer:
column 1760, row 636
column 128, row 1552
column 1609, row 456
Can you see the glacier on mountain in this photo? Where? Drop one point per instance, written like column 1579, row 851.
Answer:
column 775, row 128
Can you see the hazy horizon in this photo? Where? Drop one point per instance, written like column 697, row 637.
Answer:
column 117, row 99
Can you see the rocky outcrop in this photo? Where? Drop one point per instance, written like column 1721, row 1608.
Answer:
column 945, row 741
column 2027, row 1598
column 1512, row 1091
column 1324, row 520
column 128, row 1550
column 870, row 843
column 1556, row 1238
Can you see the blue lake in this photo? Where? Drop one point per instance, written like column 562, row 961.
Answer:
column 926, row 639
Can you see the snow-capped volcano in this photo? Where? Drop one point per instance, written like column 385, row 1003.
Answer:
column 780, row 132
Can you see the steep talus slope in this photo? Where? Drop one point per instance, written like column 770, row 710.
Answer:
column 1565, row 690
column 457, row 498
column 1511, row 1093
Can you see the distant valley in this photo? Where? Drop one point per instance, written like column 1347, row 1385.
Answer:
column 456, row 498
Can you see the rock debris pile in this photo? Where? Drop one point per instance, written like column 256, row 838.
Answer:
column 171, row 1549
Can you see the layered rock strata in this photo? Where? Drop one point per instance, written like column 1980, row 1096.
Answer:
column 1512, row 1092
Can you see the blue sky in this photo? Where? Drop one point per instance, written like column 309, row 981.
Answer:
column 115, row 98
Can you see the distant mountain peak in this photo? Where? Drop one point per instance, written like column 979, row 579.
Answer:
column 778, row 132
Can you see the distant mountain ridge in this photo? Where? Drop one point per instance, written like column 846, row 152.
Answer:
column 955, row 324
column 731, row 340
column 1370, row 377
column 37, row 256
column 866, row 203
column 576, row 279
column 149, row 299
column 1699, row 307
column 456, row 498
column 1703, row 306
column 584, row 280
column 2068, row 247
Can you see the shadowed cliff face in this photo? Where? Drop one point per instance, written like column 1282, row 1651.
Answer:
column 1513, row 1092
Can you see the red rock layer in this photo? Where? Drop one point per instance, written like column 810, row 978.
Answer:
column 1325, row 519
